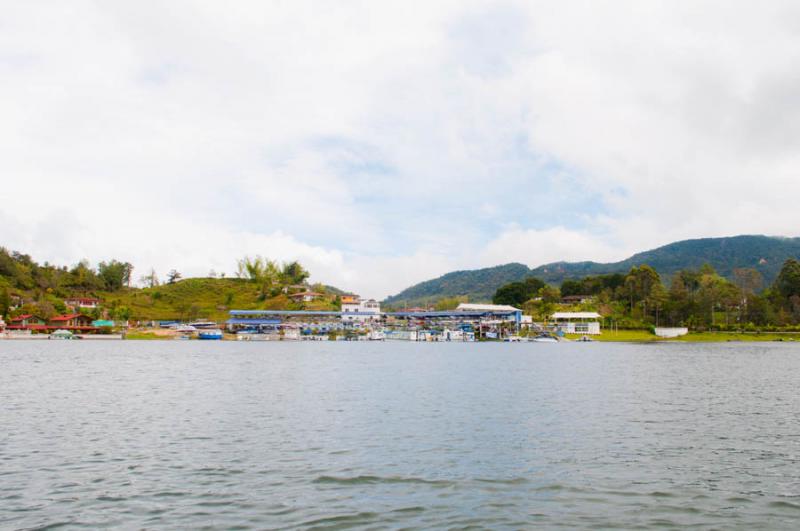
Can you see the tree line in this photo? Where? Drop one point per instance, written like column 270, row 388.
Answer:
column 20, row 271
column 699, row 299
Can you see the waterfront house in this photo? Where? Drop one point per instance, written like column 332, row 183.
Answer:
column 577, row 322
column 82, row 302
column 72, row 321
column 27, row 322
column 356, row 309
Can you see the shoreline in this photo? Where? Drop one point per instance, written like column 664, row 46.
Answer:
column 623, row 336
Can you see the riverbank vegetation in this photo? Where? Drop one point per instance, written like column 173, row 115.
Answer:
column 700, row 299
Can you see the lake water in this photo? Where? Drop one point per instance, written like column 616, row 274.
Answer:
column 398, row 435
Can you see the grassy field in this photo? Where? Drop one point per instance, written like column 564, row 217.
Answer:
column 628, row 336
column 209, row 298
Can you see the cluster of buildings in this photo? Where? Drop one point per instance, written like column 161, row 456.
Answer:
column 364, row 317
column 74, row 322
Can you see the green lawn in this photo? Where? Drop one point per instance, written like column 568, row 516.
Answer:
column 645, row 335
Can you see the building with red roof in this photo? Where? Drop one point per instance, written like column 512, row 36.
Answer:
column 27, row 322
column 71, row 321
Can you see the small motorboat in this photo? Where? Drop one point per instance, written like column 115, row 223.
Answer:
column 210, row 334
column 62, row 334
column 544, row 338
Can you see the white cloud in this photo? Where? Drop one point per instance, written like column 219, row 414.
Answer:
column 384, row 144
column 537, row 247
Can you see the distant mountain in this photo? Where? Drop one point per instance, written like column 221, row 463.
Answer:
column 764, row 253
column 477, row 284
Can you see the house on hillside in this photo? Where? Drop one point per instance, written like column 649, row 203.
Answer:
column 27, row 322
column 305, row 296
column 294, row 288
column 576, row 299
column 349, row 299
column 88, row 303
column 72, row 321
column 15, row 301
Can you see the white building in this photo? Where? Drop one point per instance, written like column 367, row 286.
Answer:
column 578, row 322
column 356, row 309
column 671, row 332
column 83, row 302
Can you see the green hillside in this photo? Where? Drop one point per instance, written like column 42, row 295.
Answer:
column 209, row 298
column 478, row 284
column 43, row 289
column 763, row 253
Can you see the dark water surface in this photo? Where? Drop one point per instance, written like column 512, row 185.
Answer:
column 398, row 435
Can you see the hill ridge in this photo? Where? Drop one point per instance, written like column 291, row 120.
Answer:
column 763, row 253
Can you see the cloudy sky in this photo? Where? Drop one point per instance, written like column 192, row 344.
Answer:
column 383, row 143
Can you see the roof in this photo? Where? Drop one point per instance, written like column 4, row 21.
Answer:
column 290, row 313
column 65, row 317
column 253, row 321
column 82, row 299
column 21, row 317
column 305, row 294
column 454, row 314
column 576, row 315
column 486, row 308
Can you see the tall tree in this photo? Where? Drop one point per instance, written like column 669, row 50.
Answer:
column 294, row 273
column 518, row 293
column 261, row 271
column 788, row 282
column 5, row 301
column 173, row 276
column 150, row 280
column 115, row 274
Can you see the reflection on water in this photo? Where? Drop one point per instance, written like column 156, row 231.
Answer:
column 338, row 435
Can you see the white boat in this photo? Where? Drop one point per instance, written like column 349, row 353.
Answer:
column 185, row 329
column 61, row 334
column 543, row 338
column 377, row 335
column 203, row 324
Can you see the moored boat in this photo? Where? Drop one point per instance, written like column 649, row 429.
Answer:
column 62, row 334
column 215, row 334
column 544, row 338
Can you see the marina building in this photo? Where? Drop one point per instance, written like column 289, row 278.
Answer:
column 587, row 323
column 356, row 309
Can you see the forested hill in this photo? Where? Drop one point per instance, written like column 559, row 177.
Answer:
column 477, row 284
column 764, row 253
